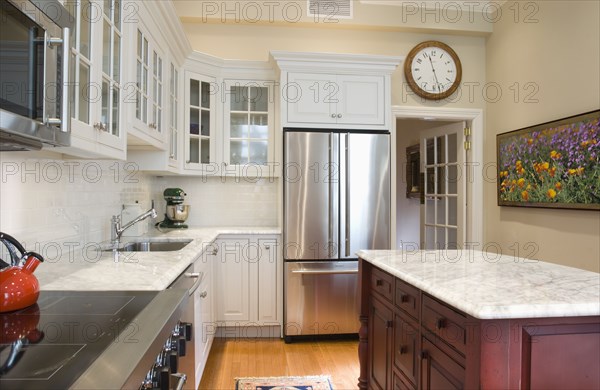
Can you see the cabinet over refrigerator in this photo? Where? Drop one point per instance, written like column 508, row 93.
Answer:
column 336, row 202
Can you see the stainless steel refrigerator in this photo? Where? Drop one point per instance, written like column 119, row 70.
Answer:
column 336, row 202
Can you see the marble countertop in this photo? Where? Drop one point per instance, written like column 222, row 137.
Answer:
column 490, row 286
column 87, row 268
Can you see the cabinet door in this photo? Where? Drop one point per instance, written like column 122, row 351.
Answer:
column 361, row 100
column 311, row 98
column 380, row 342
column 110, row 77
column 232, row 280
column 268, row 275
column 149, row 89
column 156, row 105
column 174, row 122
column 406, row 347
column 83, row 50
column 438, row 370
column 248, row 126
column 204, row 325
column 142, row 84
column 95, row 77
column 401, row 384
column 199, row 121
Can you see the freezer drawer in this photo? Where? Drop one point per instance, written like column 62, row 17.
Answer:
column 321, row 298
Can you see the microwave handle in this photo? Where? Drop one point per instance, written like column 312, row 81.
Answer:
column 65, row 113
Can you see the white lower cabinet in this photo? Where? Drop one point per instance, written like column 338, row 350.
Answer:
column 204, row 320
column 248, row 285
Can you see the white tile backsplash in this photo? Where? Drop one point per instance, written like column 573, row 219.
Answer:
column 216, row 201
column 48, row 203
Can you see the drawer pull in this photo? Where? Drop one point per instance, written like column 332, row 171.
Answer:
column 379, row 282
column 440, row 323
column 403, row 349
column 404, row 298
column 389, row 324
column 424, row 355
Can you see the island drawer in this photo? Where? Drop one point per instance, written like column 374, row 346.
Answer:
column 446, row 323
column 407, row 298
column 382, row 283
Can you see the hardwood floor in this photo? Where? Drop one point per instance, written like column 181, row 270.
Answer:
column 231, row 358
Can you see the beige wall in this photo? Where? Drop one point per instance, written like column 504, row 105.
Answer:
column 253, row 42
column 560, row 55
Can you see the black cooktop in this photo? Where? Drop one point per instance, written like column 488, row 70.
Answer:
column 49, row 345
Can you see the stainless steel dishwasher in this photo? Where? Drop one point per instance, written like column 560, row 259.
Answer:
column 191, row 281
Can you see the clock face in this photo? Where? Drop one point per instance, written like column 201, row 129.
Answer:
column 433, row 70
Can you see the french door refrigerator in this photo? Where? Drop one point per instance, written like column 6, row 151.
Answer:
column 336, row 202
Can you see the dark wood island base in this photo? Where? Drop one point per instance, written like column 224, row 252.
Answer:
column 411, row 340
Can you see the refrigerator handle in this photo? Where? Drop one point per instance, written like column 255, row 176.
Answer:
column 347, row 190
column 331, row 192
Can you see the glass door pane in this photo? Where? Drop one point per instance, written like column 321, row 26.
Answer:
column 442, row 156
column 199, row 131
column 248, row 124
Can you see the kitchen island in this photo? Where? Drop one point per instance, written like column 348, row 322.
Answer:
column 471, row 319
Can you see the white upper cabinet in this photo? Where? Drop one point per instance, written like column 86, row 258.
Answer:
column 248, row 127
column 337, row 91
column 148, row 119
column 200, row 119
column 335, row 99
column 96, row 80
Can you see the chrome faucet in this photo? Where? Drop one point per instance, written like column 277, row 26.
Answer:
column 116, row 230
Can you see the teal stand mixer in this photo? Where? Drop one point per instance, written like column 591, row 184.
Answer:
column 176, row 212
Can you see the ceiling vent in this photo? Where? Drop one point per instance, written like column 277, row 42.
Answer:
column 330, row 9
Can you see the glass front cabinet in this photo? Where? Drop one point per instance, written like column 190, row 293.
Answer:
column 229, row 126
column 248, row 128
column 96, row 79
column 200, row 123
column 149, row 88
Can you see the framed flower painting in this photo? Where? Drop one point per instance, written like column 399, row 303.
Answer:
column 554, row 164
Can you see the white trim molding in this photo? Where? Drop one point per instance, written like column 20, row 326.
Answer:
column 475, row 118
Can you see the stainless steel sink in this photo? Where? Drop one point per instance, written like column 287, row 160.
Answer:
column 152, row 246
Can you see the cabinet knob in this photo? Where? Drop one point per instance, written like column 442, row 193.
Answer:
column 215, row 251
column 267, row 247
column 404, row 298
column 203, row 294
column 389, row 323
column 333, row 115
column 403, row 349
column 440, row 323
column 379, row 282
column 339, row 115
column 424, row 355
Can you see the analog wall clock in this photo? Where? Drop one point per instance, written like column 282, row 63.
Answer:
column 432, row 70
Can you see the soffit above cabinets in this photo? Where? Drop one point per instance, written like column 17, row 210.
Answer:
column 443, row 17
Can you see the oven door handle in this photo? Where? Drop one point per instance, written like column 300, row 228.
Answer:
column 181, row 381
column 195, row 275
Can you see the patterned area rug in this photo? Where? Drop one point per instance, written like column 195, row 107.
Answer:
column 321, row 382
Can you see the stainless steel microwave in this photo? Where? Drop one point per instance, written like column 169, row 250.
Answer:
column 34, row 74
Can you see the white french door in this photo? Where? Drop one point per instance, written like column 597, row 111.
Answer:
column 443, row 215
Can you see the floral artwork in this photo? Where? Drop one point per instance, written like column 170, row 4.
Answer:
column 555, row 164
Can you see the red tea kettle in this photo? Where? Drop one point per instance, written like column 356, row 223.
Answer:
column 19, row 288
